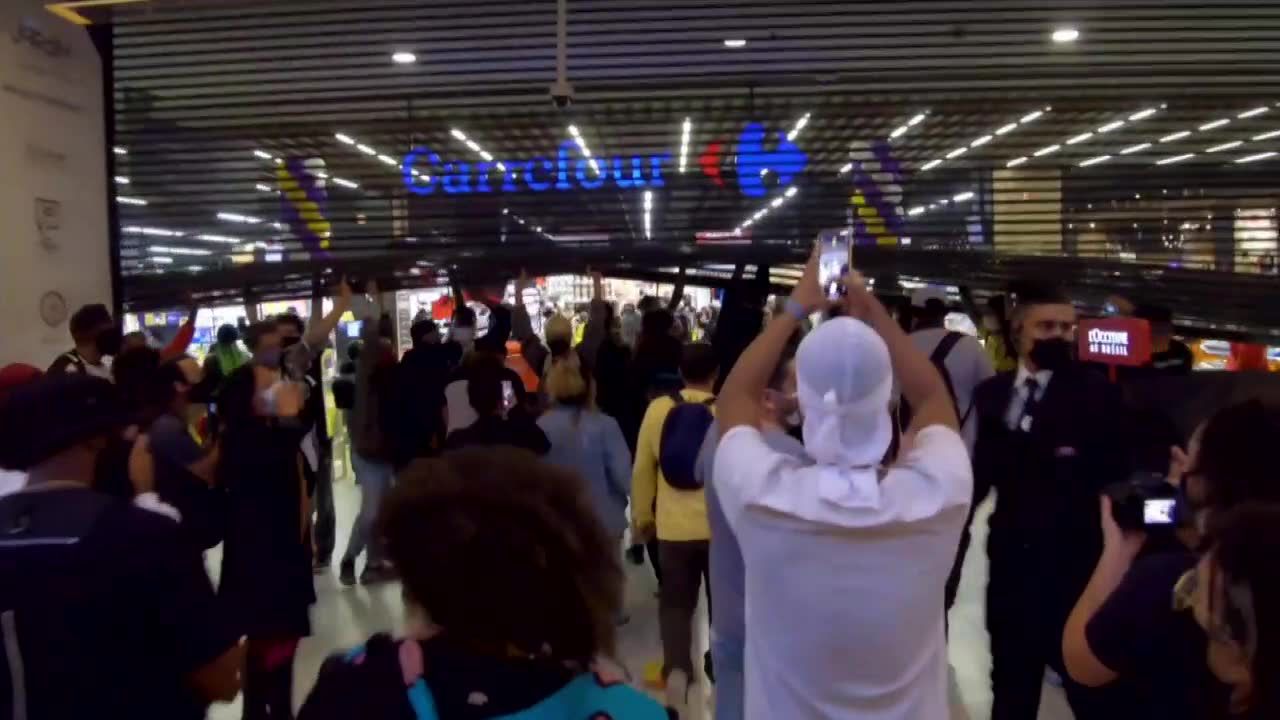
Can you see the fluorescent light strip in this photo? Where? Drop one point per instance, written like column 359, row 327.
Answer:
column 916, row 210
column 1095, row 160
column 1214, row 124
column 1087, row 135
column 1006, row 128
column 227, row 239
column 178, row 250
column 963, row 196
column 1016, row 161
column 984, row 139
column 346, row 183
column 1079, row 138
column 152, row 231
column 1175, row 136
column 1143, row 114
column 161, row 259
column 980, row 141
column 1267, row 135
column 1224, row 146
column 1046, row 150
column 263, row 154
column 1111, row 126
column 473, row 146
column 262, row 188
column 930, row 165
column 582, row 146
column 845, row 168
column 121, row 180
column 903, row 128
column 125, row 199
column 1031, row 117
column 957, row 152
column 388, row 160
column 1135, row 148
column 685, row 130
column 345, row 138
column 366, row 149
column 1175, row 159
column 764, row 210
column 119, row 150
column 1253, row 158
column 238, row 218
column 1253, row 113
column 648, row 210
column 800, row 125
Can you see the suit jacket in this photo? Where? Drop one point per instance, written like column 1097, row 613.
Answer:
column 1048, row 479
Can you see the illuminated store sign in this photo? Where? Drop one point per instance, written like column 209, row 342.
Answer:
column 424, row 172
column 1115, row 341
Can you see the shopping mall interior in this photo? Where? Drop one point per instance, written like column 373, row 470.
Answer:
column 240, row 156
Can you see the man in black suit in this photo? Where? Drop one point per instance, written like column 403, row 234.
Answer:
column 1049, row 440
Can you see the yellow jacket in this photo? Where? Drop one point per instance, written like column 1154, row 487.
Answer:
column 681, row 514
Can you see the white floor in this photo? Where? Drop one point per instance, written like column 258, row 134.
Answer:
column 344, row 617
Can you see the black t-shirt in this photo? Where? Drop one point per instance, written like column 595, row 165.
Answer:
column 203, row 507
column 517, row 431
column 108, row 610
column 1158, row 652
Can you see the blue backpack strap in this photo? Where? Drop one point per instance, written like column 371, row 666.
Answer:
column 412, row 670
column 587, row 697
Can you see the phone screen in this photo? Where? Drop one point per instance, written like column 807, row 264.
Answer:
column 1158, row 512
column 833, row 265
column 508, row 395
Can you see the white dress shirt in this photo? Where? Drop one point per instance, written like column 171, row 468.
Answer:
column 1018, row 398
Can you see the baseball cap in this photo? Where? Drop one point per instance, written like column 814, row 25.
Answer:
column 44, row 417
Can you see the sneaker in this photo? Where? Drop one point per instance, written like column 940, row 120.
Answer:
column 347, row 573
column 678, row 692
column 375, row 574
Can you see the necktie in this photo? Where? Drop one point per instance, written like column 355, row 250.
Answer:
column 1029, row 407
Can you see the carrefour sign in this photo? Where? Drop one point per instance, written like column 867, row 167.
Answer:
column 424, row 171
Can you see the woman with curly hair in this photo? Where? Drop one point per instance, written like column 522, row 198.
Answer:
column 511, row 593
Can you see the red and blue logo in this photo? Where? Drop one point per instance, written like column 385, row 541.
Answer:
column 753, row 161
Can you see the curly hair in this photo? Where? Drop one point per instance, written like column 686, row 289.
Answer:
column 505, row 552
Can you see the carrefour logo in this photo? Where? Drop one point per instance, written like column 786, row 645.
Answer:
column 424, row 171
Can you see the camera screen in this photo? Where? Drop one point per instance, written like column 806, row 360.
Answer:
column 1158, row 512
column 508, row 395
column 833, row 265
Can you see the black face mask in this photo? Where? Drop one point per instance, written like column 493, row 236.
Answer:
column 108, row 341
column 1052, row 353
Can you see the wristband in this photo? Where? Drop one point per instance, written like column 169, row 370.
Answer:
column 795, row 309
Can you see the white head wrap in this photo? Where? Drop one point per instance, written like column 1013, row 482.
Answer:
column 844, row 382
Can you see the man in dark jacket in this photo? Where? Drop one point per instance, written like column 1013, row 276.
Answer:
column 1048, row 443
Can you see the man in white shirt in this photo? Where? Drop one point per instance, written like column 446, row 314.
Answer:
column 845, row 561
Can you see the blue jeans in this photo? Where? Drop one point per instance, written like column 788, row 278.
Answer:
column 374, row 478
column 728, row 657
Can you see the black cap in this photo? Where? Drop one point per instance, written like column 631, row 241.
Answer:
column 44, row 417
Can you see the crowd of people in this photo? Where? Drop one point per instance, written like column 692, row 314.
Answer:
column 817, row 479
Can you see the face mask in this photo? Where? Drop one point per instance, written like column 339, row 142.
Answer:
column 108, row 341
column 268, row 357
column 1052, row 353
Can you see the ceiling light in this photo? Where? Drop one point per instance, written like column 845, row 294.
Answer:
column 931, row 164
column 776, row 202
column 898, row 131
column 1135, row 148
column 345, row 183
column 130, row 200
column 916, row 119
column 1267, row 135
column 1110, row 126
column 161, row 259
column 262, row 154
column 1079, row 138
column 791, row 191
column 388, row 160
column 1175, row 136
column 179, row 250
column 1259, row 156
column 1006, row 128
column 119, row 150
column 1224, row 146
column 735, row 43
column 458, row 134
column 237, row 217
column 1174, row 159
column 916, row 210
column 1143, row 114
column 122, row 180
column 1046, row 150
column 963, row 196
column 1066, row 35
column 685, row 130
column 366, row 149
column 957, row 152
column 1016, row 161
column 153, row 231
column 1095, row 160
column 800, row 124
column 1030, row 117
column 404, row 57
column 220, row 239
column 262, row 188
column 345, row 138
column 1214, row 124
column 648, row 207
column 845, row 168
column 1254, row 112
column 980, row 141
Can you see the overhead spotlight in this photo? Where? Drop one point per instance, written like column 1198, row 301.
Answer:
column 735, row 43
column 1095, row 160
column 1259, row 156
column 1175, row 136
column 1175, row 159
column 345, row 138
column 1066, row 35
column 1214, row 124
column 1254, row 112
column 403, row 57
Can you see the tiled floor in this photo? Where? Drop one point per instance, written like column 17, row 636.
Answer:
column 344, row 617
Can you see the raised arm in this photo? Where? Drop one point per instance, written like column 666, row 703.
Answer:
column 920, row 381
column 181, row 341
column 521, row 324
column 737, row 403
column 318, row 334
column 593, row 334
column 677, row 292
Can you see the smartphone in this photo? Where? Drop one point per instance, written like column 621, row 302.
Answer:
column 833, row 264
column 1158, row 511
column 508, row 395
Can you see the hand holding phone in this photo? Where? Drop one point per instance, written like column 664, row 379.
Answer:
column 833, row 266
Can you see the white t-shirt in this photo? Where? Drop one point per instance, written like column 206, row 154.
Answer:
column 845, row 575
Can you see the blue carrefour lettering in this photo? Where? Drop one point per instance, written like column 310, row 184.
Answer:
column 423, row 172
column 787, row 160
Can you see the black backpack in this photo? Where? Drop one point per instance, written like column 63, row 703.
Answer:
column 683, row 431
column 939, row 360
